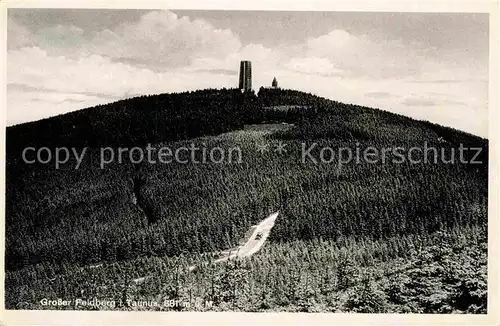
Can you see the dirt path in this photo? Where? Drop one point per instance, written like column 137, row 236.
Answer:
column 254, row 242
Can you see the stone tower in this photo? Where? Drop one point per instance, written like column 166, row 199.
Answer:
column 245, row 75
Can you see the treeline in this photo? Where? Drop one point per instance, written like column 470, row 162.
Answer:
column 277, row 97
column 320, row 118
column 141, row 120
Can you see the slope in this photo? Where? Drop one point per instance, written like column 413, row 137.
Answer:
column 86, row 216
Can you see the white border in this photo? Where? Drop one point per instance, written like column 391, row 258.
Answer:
column 9, row 317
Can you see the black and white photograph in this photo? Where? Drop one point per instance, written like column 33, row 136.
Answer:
column 247, row 161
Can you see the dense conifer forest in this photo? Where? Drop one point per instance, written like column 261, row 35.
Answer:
column 354, row 237
column 141, row 120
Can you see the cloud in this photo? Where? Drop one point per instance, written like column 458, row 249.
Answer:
column 378, row 94
column 451, row 72
column 34, row 77
column 153, row 55
column 100, row 75
column 60, row 68
column 60, row 36
column 18, row 36
column 418, row 102
column 161, row 38
column 438, row 81
column 365, row 55
column 34, row 105
column 334, row 42
column 313, row 65
column 13, row 87
column 157, row 39
column 262, row 59
column 94, row 73
column 216, row 71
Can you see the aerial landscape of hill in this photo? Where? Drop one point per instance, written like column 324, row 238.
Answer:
column 382, row 235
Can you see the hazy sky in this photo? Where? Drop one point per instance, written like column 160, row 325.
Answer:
column 427, row 66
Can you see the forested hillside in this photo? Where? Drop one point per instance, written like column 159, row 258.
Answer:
column 59, row 221
column 141, row 120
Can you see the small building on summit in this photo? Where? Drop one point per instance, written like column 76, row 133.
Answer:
column 274, row 84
